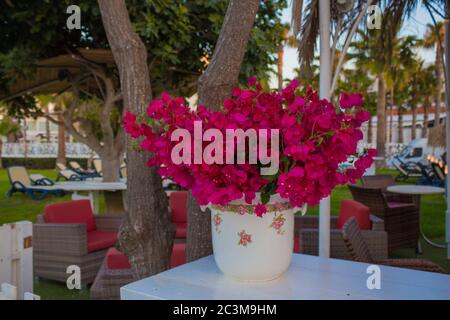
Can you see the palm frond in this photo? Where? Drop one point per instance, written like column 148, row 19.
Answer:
column 341, row 23
column 296, row 21
column 393, row 15
column 309, row 34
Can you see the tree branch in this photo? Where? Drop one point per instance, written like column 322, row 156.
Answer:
column 109, row 103
column 221, row 76
column 53, row 120
column 215, row 85
column 117, row 97
column 89, row 140
column 119, row 141
column 335, row 40
column 109, row 95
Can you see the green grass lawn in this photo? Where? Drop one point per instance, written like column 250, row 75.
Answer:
column 20, row 207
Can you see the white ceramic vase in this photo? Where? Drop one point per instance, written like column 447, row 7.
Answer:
column 251, row 248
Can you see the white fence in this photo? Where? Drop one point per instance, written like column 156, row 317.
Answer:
column 9, row 292
column 45, row 150
column 16, row 259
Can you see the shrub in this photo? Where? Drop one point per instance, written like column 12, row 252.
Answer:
column 39, row 163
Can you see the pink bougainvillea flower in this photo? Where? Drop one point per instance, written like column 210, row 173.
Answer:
column 288, row 120
column 298, row 103
column 349, row 101
column 361, row 117
column 130, row 126
column 315, row 136
column 154, row 108
column 249, row 196
column 297, row 172
column 252, row 81
column 260, row 210
column 236, row 91
column 240, row 118
column 288, row 93
column 372, row 152
column 129, row 117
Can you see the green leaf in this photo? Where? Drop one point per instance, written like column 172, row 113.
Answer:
column 265, row 197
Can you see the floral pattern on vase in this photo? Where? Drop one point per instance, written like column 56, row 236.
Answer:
column 278, row 223
column 217, row 221
column 262, row 253
column 250, row 209
column 244, row 238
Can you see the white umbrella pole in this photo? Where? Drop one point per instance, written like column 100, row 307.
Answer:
column 324, row 91
column 447, row 119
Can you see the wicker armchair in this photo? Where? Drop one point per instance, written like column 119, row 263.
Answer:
column 359, row 250
column 307, row 232
column 401, row 220
column 82, row 243
column 116, row 271
column 108, row 281
column 177, row 208
column 382, row 181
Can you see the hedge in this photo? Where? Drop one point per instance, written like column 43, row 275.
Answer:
column 39, row 163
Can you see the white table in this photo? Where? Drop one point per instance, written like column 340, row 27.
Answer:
column 92, row 187
column 308, row 277
column 416, row 192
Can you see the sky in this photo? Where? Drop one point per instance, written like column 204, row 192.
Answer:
column 416, row 25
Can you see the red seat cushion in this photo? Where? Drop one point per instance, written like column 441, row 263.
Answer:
column 178, row 255
column 78, row 211
column 180, row 230
column 351, row 208
column 296, row 244
column 99, row 240
column 116, row 259
column 178, row 202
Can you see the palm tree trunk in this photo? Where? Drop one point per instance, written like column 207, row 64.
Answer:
column 370, row 130
column 439, row 83
column 1, row 145
column 61, row 158
column 11, row 138
column 25, row 143
column 414, row 120
column 400, row 125
column 280, row 66
column 381, row 117
column 425, row 116
column 47, row 125
column 391, row 113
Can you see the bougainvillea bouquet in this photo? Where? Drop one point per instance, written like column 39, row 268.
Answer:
column 316, row 137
